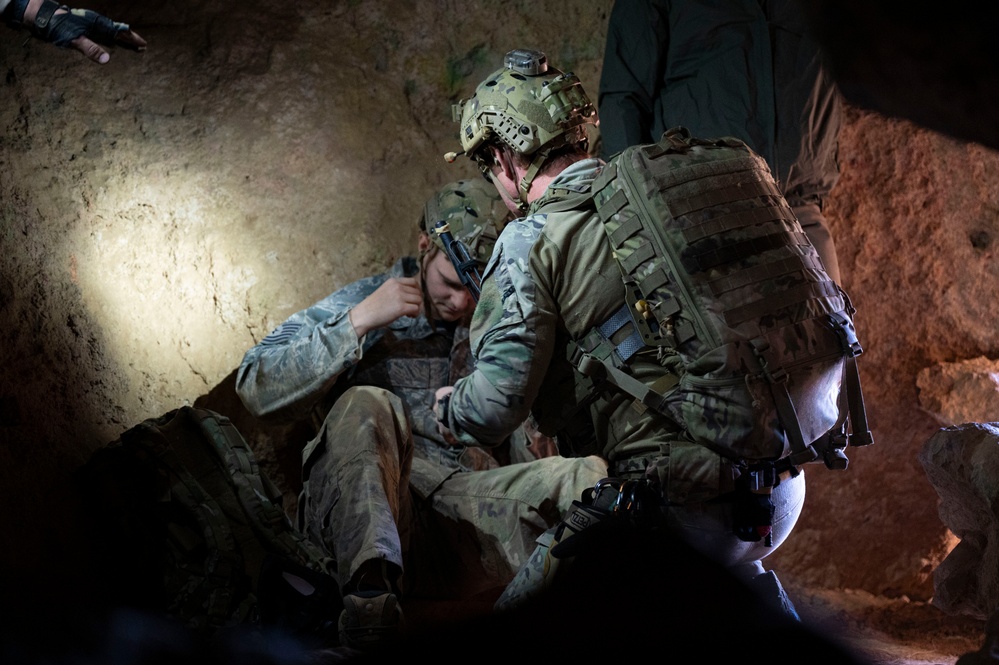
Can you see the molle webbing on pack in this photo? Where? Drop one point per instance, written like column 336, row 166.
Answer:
column 217, row 548
column 717, row 269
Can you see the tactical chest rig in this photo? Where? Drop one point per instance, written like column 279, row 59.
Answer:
column 757, row 343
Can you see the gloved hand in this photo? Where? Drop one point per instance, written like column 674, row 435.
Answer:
column 80, row 29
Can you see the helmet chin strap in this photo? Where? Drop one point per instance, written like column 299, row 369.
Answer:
column 423, row 261
column 525, row 183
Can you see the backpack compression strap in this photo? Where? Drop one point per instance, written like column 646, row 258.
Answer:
column 253, row 488
column 830, row 445
column 148, row 441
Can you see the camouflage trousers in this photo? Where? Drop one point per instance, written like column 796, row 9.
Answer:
column 453, row 534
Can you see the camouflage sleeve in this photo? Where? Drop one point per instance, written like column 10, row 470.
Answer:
column 511, row 344
column 291, row 369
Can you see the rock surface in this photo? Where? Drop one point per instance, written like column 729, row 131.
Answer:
column 962, row 463
column 961, row 392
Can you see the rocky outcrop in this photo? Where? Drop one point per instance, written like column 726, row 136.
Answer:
column 961, row 392
column 962, row 463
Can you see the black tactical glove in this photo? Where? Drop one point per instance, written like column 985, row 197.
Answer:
column 61, row 29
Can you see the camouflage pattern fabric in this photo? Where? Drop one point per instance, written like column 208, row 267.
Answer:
column 732, row 283
column 715, row 311
column 511, row 341
column 520, row 349
column 453, row 534
column 553, row 276
column 708, row 527
column 315, row 355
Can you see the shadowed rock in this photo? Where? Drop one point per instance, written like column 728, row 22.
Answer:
column 962, row 463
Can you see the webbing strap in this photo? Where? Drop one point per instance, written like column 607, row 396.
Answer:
column 860, row 432
column 601, row 336
column 603, row 372
column 739, row 162
column 642, row 254
column 653, row 281
column 645, row 397
column 694, row 262
column 715, row 197
column 765, row 271
column 612, row 205
column 627, row 229
column 776, row 376
column 771, row 304
column 627, row 348
column 605, row 174
column 735, row 219
column 615, row 322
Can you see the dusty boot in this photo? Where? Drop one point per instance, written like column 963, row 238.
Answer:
column 538, row 573
column 770, row 589
column 369, row 619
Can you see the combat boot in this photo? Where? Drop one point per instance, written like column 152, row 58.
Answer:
column 370, row 619
column 539, row 572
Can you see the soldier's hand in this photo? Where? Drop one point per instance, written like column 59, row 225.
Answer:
column 442, row 429
column 398, row 296
column 80, row 29
column 539, row 444
column 125, row 37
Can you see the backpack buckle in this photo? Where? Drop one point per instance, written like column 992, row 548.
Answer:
column 762, row 350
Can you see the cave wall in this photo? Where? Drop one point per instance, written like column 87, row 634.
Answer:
column 161, row 214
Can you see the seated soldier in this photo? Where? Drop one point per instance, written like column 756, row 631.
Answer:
column 382, row 491
column 402, row 330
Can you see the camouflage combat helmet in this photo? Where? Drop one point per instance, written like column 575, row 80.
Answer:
column 474, row 212
column 527, row 105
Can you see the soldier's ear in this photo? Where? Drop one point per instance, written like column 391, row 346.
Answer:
column 424, row 242
column 504, row 160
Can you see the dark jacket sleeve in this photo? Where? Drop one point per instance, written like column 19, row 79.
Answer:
column 637, row 41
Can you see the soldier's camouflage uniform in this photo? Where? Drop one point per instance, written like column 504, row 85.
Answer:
column 306, row 364
column 379, row 481
column 552, row 276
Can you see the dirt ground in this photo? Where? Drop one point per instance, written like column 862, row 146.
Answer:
column 890, row 631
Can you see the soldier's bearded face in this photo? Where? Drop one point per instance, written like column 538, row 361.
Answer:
column 449, row 299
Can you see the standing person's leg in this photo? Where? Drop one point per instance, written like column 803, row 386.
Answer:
column 816, row 227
